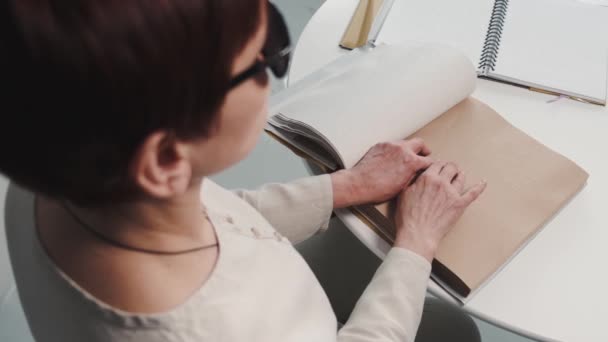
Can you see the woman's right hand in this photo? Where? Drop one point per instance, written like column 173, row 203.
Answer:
column 428, row 209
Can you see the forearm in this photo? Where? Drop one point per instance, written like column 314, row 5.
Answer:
column 297, row 209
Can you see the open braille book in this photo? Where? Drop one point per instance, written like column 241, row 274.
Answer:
column 335, row 115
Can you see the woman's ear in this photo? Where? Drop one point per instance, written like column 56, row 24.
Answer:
column 160, row 167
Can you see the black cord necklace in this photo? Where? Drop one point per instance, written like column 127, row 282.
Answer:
column 119, row 244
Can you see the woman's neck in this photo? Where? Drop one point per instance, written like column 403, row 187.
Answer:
column 164, row 225
column 123, row 278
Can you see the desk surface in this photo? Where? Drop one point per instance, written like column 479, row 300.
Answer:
column 556, row 287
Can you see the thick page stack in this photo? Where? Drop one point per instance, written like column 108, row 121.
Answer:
column 385, row 94
column 420, row 90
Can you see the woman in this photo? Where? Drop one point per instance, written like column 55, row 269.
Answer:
column 116, row 234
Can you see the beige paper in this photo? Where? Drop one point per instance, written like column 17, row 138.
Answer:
column 360, row 24
column 527, row 185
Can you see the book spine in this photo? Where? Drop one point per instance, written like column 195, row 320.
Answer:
column 491, row 45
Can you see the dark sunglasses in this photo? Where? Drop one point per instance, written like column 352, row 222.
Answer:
column 276, row 50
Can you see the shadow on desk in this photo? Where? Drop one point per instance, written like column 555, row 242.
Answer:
column 342, row 264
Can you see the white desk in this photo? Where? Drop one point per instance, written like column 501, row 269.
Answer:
column 557, row 287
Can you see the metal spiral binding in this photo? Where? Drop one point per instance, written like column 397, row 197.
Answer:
column 491, row 45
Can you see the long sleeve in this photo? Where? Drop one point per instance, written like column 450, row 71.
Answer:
column 391, row 306
column 298, row 209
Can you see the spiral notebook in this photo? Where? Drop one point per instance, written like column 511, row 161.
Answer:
column 555, row 46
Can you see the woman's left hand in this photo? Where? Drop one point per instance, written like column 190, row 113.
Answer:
column 385, row 170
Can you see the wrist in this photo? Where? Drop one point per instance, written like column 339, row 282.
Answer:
column 422, row 247
column 343, row 187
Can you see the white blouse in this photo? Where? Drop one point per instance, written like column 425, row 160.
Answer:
column 260, row 290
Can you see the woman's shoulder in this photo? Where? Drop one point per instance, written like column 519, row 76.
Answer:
column 250, row 254
column 81, row 275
